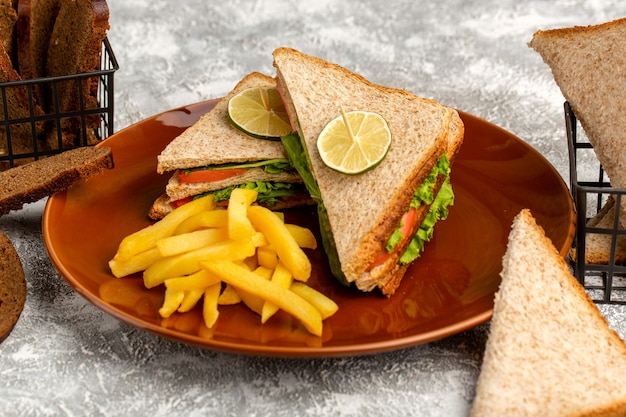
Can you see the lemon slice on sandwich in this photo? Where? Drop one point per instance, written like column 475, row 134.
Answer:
column 354, row 142
column 259, row 112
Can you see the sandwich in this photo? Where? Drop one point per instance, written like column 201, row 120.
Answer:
column 589, row 66
column 549, row 352
column 374, row 224
column 213, row 157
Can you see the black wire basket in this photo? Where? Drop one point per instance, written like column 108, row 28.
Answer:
column 78, row 111
column 603, row 279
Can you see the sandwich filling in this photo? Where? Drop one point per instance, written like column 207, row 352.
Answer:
column 269, row 192
column 423, row 195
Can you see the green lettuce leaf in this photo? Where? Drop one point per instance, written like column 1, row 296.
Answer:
column 271, row 166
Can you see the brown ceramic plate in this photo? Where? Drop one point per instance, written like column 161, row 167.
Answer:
column 449, row 289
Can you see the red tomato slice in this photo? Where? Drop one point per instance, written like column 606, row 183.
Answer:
column 209, row 175
column 182, row 201
column 407, row 221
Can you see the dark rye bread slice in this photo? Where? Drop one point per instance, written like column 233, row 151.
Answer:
column 363, row 210
column 35, row 20
column 12, row 287
column 38, row 179
column 550, row 352
column 8, row 19
column 75, row 47
column 18, row 108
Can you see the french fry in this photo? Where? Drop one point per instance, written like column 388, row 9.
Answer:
column 204, row 220
column 283, row 242
column 252, row 301
column 147, row 237
column 229, row 296
column 286, row 300
column 282, row 277
column 303, row 236
column 200, row 279
column 171, row 302
column 188, row 263
column 267, row 257
column 190, row 299
column 239, row 226
column 136, row 263
column 322, row 303
column 177, row 244
column 209, row 308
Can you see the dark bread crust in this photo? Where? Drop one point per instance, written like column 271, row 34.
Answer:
column 35, row 20
column 18, row 108
column 75, row 47
column 36, row 180
column 12, row 287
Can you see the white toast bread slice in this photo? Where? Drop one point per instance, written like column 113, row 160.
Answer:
column 214, row 140
column 589, row 66
column 550, row 352
column 597, row 245
column 363, row 210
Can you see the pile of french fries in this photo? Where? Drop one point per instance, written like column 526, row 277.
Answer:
column 245, row 253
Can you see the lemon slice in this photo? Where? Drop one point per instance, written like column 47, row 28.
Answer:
column 259, row 112
column 354, row 142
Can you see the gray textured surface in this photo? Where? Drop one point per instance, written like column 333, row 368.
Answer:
column 65, row 357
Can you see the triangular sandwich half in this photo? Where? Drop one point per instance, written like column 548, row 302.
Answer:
column 359, row 213
column 589, row 66
column 549, row 352
column 214, row 144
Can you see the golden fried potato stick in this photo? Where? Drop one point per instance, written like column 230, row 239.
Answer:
column 286, row 300
column 188, row 263
column 209, row 308
column 296, row 261
column 190, row 299
column 239, row 226
column 282, row 277
column 136, row 263
column 177, row 244
column 217, row 218
column 324, row 305
column 147, row 237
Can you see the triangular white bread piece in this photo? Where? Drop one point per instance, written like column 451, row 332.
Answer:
column 550, row 352
column 363, row 210
column 214, row 140
column 589, row 66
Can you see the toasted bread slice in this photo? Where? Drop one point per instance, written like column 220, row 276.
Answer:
column 589, row 66
column 22, row 140
column 598, row 245
column 12, row 287
column 35, row 21
column 33, row 181
column 213, row 139
column 550, row 352
column 75, row 47
column 363, row 210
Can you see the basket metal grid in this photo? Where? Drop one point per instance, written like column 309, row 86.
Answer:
column 92, row 123
column 591, row 190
